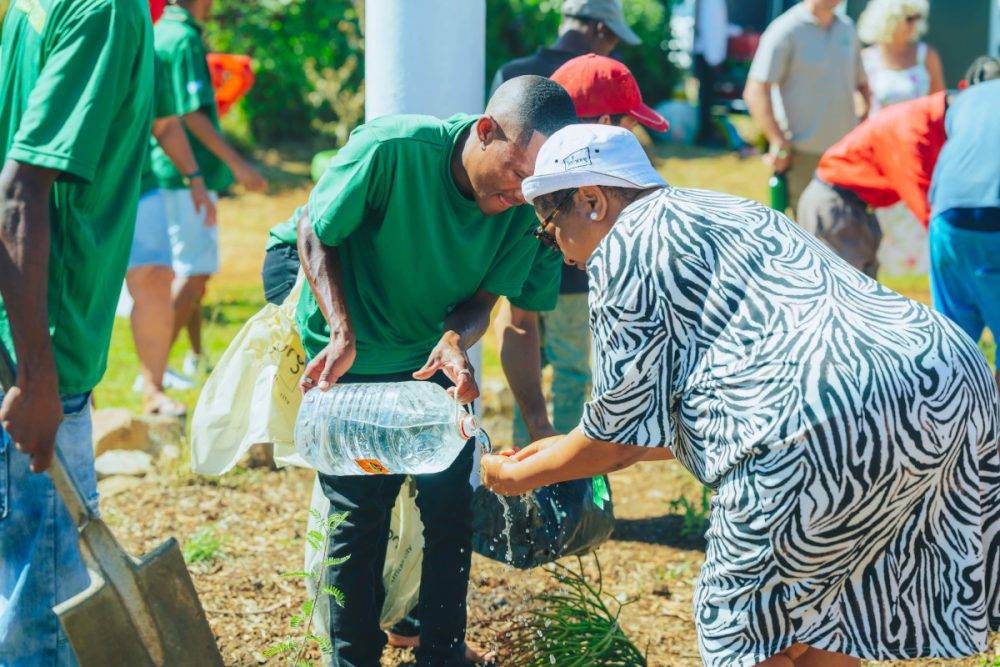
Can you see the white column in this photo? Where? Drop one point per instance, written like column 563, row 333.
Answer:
column 426, row 57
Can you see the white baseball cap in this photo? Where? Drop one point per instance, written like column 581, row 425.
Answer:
column 580, row 155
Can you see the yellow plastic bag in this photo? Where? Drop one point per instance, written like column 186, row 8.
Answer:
column 403, row 558
column 252, row 395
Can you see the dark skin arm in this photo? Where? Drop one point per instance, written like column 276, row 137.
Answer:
column 520, row 344
column 321, row 265
column 31, row 410
column 464, row 325
column 561, row 458
column 201, row 127
column 169, row 133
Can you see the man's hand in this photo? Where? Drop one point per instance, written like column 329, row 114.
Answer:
column 779, row 158
column 448, row 356
column 249, row 177
column 541, row 430
column 330, row 364
column 202, row 201
column 31, row 417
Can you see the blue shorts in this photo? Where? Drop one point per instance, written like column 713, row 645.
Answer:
column 194, row 246
column 151, row 243
column 965, row 276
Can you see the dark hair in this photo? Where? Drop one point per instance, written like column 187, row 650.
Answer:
column 616, row 119
column 527, row 104
column 982, row 69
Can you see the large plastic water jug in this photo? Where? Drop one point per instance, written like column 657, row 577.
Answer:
column 405, row 428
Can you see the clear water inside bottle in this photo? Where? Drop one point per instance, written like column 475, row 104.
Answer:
column 409, row 428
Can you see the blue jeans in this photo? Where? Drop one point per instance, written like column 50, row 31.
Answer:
column 40, row 563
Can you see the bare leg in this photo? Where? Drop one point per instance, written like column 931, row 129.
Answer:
column 787, row 658
column 152, row 327
column 814, row 657
column 194, row 327
column 187, row 294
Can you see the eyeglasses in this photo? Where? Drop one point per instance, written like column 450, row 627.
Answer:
column 540, row 233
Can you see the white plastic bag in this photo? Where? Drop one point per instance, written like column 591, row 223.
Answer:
column 252, row 395
column 403, row 558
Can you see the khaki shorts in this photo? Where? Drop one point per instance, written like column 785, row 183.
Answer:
column 842, row 221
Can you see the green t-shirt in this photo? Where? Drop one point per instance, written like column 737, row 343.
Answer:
column 541, row 289
column 77, row 82
column 163, row 107
column 285, row 233
column 411, row 246
column 177, row 37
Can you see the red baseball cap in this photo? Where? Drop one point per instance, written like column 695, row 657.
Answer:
column 600, row 85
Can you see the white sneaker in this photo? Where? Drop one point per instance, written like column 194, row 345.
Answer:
column 174, row 380
column 195, row 364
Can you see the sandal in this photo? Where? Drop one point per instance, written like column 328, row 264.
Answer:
column 164, row 406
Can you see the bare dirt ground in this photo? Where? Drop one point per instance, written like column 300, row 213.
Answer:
column 260, row 516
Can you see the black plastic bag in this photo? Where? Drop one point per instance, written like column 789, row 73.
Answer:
column 565, row 519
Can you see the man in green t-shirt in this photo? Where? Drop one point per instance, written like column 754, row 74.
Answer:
column 407, row 241
column 75, row 115
column 194, row 239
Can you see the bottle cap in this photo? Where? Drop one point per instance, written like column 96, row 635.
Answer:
column 468, row 426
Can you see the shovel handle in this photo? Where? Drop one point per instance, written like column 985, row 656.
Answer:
column 63, row 482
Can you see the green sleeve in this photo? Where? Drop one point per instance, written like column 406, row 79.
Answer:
column 354, row 188
column 190, row 82
column 541, row 289
column 511, row 266
column 79, row 89
column 163, row 97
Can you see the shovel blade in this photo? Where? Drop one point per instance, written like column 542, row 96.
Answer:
column 102, row 633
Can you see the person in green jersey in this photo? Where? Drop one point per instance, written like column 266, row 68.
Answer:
column 75, row 112
column 193, row 237
column 407, row 241
column 150, row 273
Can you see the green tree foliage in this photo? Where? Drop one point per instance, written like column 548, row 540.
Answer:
column 516, row 28
column 309, row 63
column 309, row 56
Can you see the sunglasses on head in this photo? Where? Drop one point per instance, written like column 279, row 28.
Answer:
column 913, row 18
column 545, row 237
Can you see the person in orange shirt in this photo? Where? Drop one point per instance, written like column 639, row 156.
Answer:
column 888, row 158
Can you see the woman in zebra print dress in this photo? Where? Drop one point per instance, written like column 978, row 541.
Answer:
column 850, row 433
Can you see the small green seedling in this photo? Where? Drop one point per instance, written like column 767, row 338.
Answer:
column 293, row 649
column 574, row 626
column 204, row 546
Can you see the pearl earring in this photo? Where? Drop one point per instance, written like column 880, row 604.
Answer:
column 593, row 215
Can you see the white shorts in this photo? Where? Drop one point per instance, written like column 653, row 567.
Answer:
column 194, row 246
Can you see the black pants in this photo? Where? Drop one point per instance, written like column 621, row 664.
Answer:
column 281, row 268
column 445, row 503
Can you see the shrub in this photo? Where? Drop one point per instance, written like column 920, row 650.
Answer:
column 309, row 56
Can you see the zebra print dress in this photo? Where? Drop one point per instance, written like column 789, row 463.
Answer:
column 850, row 433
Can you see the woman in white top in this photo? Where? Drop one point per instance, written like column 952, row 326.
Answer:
column 899, row 67
column 850, row 433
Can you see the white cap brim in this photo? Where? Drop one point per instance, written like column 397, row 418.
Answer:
column 639, row 178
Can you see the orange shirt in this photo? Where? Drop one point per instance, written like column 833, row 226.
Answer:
column 891, row 156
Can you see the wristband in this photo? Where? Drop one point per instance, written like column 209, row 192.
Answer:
column 193, row 175
column 782, row 153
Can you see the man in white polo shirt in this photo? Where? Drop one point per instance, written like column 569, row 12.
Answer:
column 801, row 88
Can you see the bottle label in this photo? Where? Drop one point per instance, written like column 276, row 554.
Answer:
column 372, row 466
